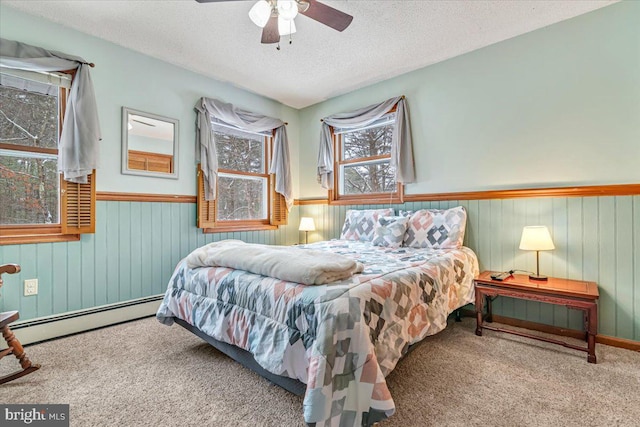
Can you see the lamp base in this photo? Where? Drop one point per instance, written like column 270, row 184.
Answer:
column 538, row 277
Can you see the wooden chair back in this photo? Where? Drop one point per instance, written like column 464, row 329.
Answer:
column 13, row 344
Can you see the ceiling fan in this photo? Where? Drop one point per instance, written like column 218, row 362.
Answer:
column 276, row 16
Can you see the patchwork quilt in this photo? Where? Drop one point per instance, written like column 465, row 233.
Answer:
column 341, row 339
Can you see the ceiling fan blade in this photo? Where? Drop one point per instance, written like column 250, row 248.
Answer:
column 327, row 15
column 270, row 32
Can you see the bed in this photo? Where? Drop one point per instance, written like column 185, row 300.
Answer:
column 337, row 341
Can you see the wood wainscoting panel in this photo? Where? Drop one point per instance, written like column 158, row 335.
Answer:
column 586, row 191
column 582, row 191
column 109, row 196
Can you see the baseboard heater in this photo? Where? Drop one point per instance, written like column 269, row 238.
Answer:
column 57, row 326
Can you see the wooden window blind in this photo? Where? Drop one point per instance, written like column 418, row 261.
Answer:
column 206, row 208
column 78, row 206
column 279, row 214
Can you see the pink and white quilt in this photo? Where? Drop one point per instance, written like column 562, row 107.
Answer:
column 341, row 339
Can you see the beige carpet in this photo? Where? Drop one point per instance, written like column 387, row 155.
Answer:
column 145, row 374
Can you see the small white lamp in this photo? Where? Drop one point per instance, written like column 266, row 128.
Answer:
column 306, row 225
column 536, row 238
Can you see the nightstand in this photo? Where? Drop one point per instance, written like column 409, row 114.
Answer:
column 576, row 294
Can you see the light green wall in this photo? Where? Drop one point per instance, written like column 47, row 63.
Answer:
column 126, row 78
column 556, row 107
column 559, row 106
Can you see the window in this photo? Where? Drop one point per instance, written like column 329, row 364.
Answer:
column 242, row 175
column 244, row 196
column 363, row 172
column 36, row 205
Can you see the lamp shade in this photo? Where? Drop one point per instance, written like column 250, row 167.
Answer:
column 306, row 224
column 536, row 238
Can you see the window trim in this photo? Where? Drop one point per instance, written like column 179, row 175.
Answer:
column 334, row 196
column 47, row 233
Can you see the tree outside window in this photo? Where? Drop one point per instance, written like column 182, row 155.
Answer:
column 243, row 182
column 29, row 180
column 363, row 170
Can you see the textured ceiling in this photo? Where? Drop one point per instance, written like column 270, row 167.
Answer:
column 386, row 38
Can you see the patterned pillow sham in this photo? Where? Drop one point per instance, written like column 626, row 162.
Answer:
column 359, row 224
column 436, row 229
column 389, row 231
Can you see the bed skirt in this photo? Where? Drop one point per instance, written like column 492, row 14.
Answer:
column 246, row 359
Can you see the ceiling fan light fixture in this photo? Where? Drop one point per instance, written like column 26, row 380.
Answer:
column 286, row 27
column 287, row 9
column 260, row 13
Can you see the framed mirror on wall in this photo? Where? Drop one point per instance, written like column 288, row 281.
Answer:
column 149, row 144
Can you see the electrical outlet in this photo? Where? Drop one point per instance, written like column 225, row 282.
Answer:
column 30, row 287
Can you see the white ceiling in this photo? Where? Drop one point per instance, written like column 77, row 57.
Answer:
column 386, row 38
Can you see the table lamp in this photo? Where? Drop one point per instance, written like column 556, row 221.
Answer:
column 306, row 225
column 536, row 238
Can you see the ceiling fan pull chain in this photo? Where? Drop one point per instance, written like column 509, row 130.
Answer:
column 290, row 33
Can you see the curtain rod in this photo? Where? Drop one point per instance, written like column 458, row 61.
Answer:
column 403, row 97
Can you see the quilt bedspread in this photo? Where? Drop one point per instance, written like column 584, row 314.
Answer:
column 341, row 339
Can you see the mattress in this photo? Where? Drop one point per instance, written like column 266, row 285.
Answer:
column 341, row 339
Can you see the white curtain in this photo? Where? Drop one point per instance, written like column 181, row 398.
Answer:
column 401, row 145
column 209, row 109
column 78, row 146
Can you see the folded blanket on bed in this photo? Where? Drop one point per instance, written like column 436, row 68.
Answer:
column 288, row 263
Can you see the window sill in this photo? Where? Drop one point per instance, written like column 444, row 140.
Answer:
column 368, row 200
column 230, row 229
column 345, row 202
column 38, row 238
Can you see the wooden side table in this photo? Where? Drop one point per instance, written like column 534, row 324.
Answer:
column 574, row 294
